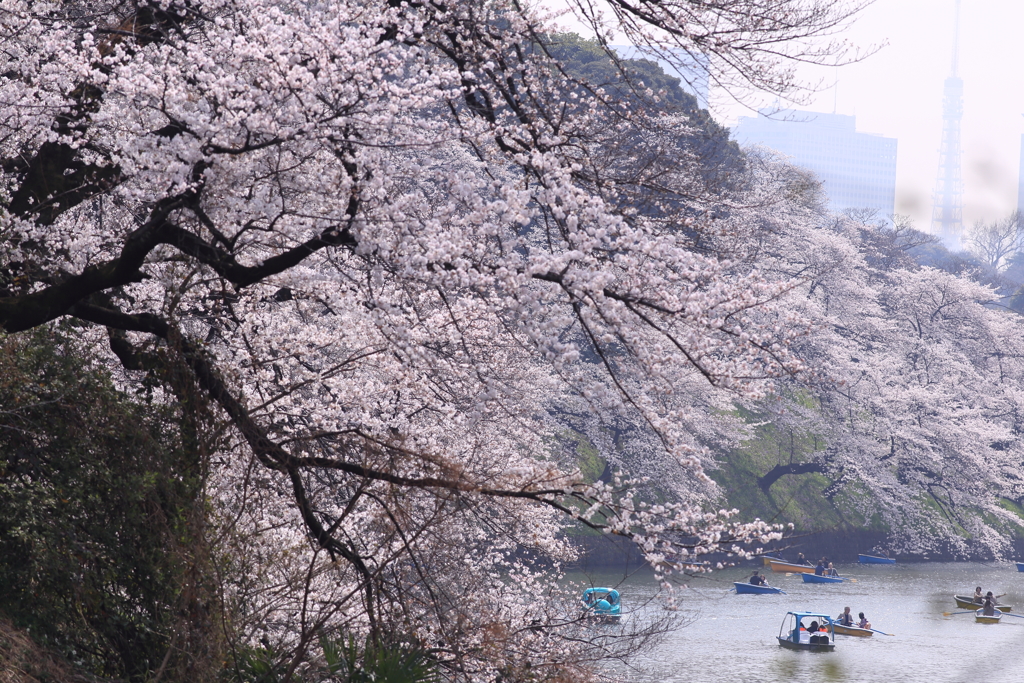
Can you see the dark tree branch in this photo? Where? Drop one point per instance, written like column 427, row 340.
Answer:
column 779, row 471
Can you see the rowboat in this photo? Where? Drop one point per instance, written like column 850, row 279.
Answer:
column 874, row 559
column 794, row 633
column 1020, row 566
column 841, row 630
column 778, row 566
column 814, row 578
column 964, row 602
column 759, row 590
column 982, row 619
column 604, row 604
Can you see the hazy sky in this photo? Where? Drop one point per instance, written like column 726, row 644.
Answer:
column 898, row 92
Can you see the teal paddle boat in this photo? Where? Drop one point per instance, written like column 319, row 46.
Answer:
column 874, row 559
column 604, row 604
column 816, row 578
column 807, row 631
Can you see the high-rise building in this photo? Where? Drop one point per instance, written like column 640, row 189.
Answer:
column 857, row 170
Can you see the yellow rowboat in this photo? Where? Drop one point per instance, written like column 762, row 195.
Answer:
column 851, row 631
column 964, row 602
column 783, row 567
column 982, row 619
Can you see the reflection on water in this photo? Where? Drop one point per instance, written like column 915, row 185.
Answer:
column 732, row 637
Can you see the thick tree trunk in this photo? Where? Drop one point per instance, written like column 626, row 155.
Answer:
column 775, row 473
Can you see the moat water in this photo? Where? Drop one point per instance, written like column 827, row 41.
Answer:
column 731, row 638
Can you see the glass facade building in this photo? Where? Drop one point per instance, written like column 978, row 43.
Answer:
column 857, row 170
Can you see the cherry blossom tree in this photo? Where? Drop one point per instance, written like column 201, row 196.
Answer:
column 916, row 400
column 387, row 240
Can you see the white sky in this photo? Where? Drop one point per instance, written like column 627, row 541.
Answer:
column 898, row 92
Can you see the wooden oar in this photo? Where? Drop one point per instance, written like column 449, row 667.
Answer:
column 882, row 632
column 1011, row 614
column 949, row 614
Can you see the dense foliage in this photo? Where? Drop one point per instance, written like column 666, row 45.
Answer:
column 101, row 516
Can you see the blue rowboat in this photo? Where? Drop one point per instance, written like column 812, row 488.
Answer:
column 873, row 559
column 760, row 590
column 814, row 578
column 1020, row 566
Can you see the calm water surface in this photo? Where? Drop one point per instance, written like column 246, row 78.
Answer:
column 732, row 637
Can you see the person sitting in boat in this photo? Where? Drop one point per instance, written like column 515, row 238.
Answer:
column 800, row 559
column 816, row 635
column 820, row 569
column 831, row 571
column 863, row 623
column 757, row 580
column 978, row 597
column 846, row 619
column 989, row 608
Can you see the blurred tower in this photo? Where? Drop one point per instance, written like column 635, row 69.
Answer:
column 948, row 200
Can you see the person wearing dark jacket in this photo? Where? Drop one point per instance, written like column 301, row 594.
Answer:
column 989, row 608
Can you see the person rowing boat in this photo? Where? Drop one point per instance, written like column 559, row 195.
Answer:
column 979, row 599
column 989, row 608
